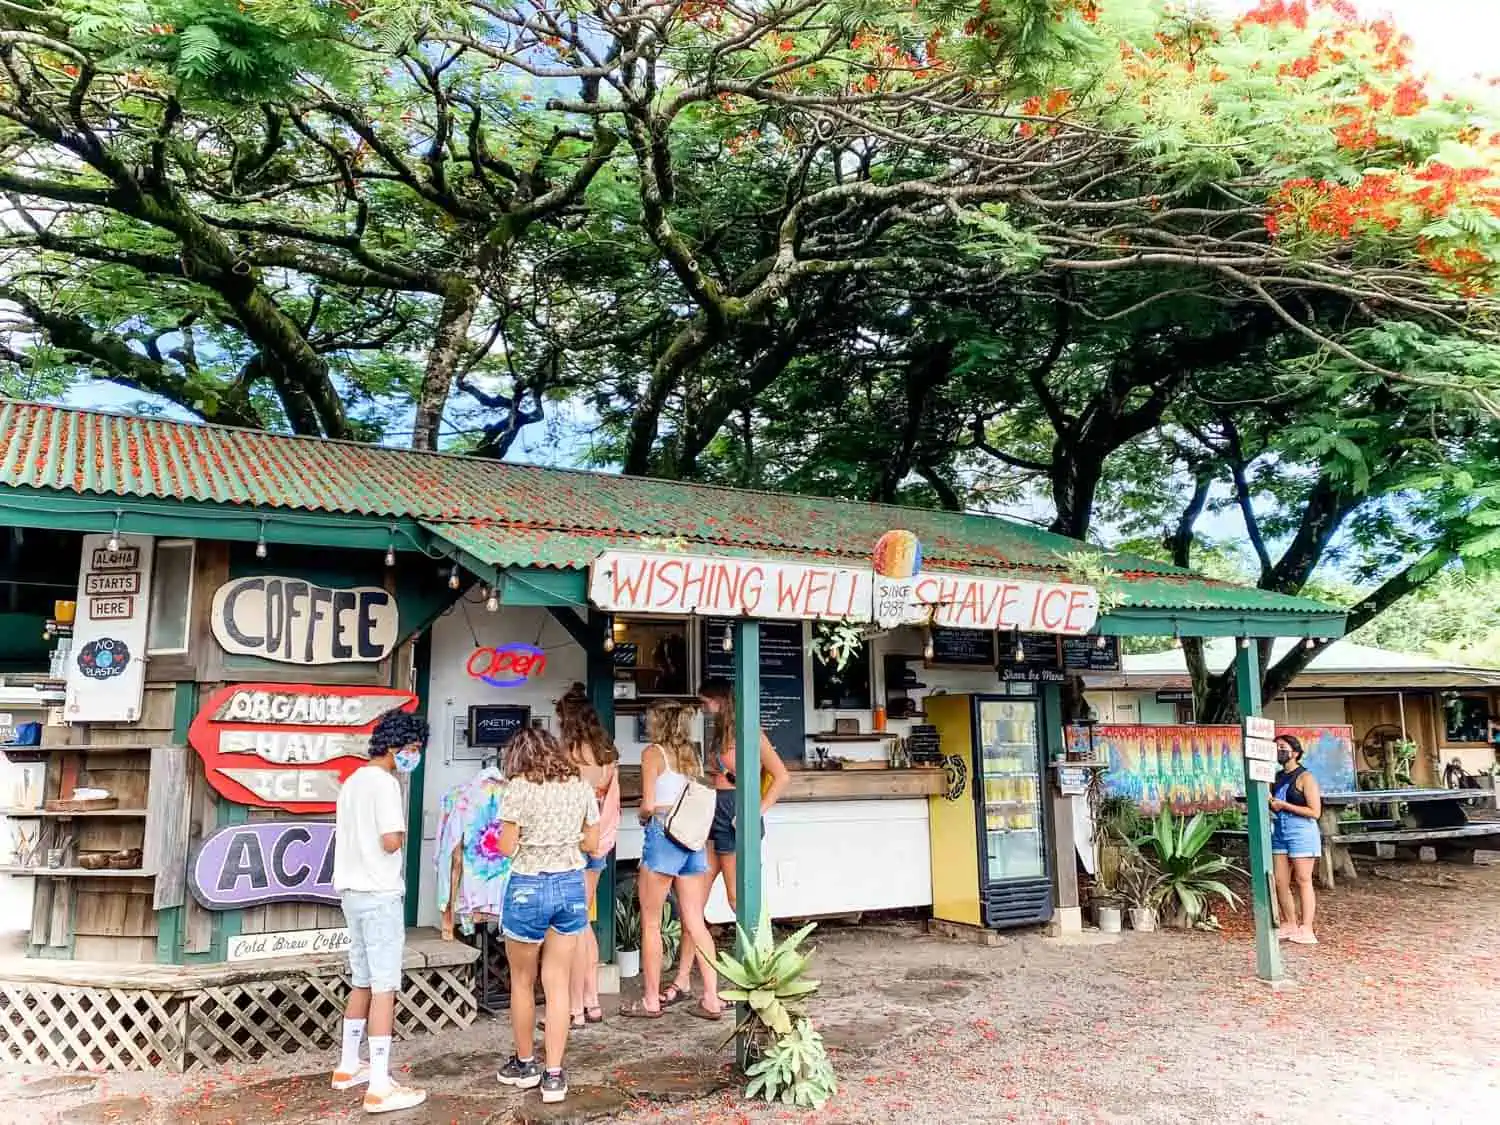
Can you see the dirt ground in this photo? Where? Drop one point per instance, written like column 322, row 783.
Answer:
column 1393, row 1019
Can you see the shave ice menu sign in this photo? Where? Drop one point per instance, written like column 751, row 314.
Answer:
column 106, row 668
column 895, row 591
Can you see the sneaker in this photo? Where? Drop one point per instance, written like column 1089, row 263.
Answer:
column 554, row 1086
column 349, row 1079
column 521, row 1075
column 396, row 1098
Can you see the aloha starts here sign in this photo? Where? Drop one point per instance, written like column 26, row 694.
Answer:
column 894, row 592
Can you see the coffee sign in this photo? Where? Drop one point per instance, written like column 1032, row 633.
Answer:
column 254, row 864
column 288, row 746
column 296, row 622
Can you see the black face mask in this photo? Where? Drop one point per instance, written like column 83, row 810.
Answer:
column 1283, row 755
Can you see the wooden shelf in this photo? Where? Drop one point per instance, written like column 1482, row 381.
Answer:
column 858, row 736
column 43, row 814
column 89, row 748
column 74, row 872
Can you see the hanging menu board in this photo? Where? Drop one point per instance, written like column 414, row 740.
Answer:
column 1084, row 654
column 783, row 690
column 1041, row 660
column 967, row 648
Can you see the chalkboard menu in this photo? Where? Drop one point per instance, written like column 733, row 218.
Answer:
column 783, row 691
column 1083, row 654
column 971, row 648
column 496, row 725
column 626, row 654
column 923, row 746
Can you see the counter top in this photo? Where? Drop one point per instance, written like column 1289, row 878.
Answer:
column 833, row 785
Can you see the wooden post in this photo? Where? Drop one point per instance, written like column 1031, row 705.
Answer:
column 601, row 685
column 1059, row 813
column 416, row 789
column 1258, row 816
column 746, row 793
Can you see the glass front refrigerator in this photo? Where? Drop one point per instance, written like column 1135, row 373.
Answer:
column 990, row 860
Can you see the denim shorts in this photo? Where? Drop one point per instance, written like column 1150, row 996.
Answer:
column 534, row 904
column 1295, row 836
column 377, row 932
column 666, row 856
column 722, row 835
column 595, row 862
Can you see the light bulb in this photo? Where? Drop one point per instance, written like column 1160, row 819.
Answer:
column 1020, row 654
column 492, row 603
column 609, row 642
column 453, row 578
column 390, row 556
column 1244, row 642
column 114, row 543
column 1309, row 643
column 729, row 638
column 1099, row 641
column 928, row 649
column 260, row 547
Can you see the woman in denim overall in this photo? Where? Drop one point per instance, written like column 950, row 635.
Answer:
column 1296, row 842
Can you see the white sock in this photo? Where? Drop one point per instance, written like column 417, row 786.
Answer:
column 354, row 1035
column 380, row 1063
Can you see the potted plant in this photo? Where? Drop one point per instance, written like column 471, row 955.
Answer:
column 627, row 933
column 1138, row 876
column 1189, row 876
column 784, row 1057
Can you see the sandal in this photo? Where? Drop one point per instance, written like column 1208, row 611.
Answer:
column 593, row 1015
column 637, row 1010
column 674, row 996
column 699, row 1012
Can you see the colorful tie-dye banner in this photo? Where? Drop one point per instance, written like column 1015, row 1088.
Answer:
column 1199, row 769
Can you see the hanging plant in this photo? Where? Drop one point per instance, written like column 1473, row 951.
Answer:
column 836, row 642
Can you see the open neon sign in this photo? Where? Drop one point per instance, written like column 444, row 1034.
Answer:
column 507, row 666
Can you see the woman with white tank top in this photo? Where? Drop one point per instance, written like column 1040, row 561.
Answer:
column 666, row 766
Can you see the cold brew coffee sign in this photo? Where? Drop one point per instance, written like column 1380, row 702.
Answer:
column 288, row 746
column 255, row 864
column 295, row 622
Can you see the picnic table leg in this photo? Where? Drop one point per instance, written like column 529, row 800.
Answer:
column 1328, row 827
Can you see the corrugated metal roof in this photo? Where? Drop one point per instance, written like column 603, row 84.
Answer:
column 524, row 515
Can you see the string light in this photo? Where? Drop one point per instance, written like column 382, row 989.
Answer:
column 1309, row 643
column 1020, row 654
column 609, row 635
column 390, row 550
column 728, row 638
column 114, row 536
column 453, row 581
column 929, row 650
column 260, row 542
column 1244, row 642
column 1099, row 641
column 492, row 601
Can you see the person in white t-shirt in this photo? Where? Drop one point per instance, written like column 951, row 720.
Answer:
column 369, row 831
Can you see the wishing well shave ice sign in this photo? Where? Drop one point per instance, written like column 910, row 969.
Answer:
column 625, row 582
column 288, row 746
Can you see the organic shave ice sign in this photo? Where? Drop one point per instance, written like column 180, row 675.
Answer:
column 627, row 582
column 288, row 746
column 896, row 591
column 254, row 864
column 296, row 622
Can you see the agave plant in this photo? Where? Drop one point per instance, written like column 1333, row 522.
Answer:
column 627, row 920
column 786, row 1059
column 1189, row 878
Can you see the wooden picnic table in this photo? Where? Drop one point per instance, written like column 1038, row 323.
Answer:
column 1436, row 814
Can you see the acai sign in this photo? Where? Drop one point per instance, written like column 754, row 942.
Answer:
column 254, row 864
column 296, row 622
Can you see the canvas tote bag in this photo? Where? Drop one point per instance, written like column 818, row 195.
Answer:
column 691, row 817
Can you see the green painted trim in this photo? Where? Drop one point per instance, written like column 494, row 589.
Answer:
column 544, row 586
column 416, row 790
column 193, row 519
column 1268, row 964
column 169, row 922
column 747, row 769
column 227, row 923
column 601, row 687
column 1219, row 623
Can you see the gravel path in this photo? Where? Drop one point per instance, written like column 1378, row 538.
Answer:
column 1392, row 1020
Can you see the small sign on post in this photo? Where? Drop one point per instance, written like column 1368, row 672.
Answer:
column 1258, row 726
column 1259, row 770
column 1261, row 749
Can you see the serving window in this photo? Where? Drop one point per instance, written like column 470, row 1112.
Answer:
column 656, row 656
column 1466, row 718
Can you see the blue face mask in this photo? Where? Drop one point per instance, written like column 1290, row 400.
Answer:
column 408, row 760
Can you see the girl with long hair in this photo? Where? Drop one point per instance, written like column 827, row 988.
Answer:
column 772, row 778
column 593, row 751
column 549, row 819
column 1296, row 841
column 667, row 764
